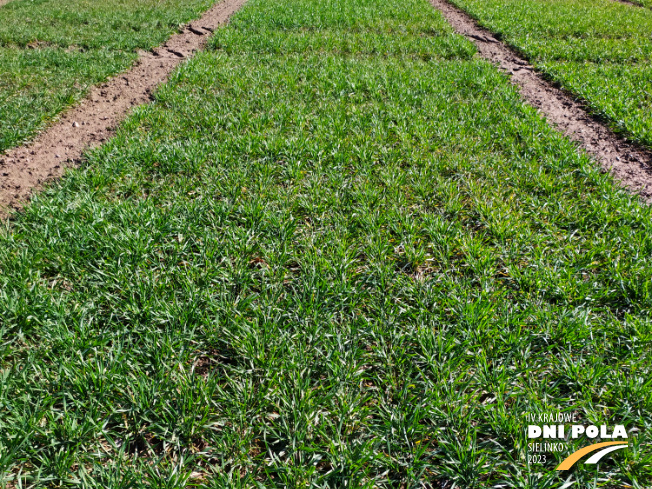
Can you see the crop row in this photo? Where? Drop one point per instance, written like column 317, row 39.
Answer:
column 52, row 51
column 599, row 50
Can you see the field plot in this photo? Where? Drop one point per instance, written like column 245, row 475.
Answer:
column 599, row 50
column 337, row 248
column 52, row 51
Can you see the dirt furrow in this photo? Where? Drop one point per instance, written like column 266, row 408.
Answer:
column 633, row 4
column 630, row 164
column 23, row 170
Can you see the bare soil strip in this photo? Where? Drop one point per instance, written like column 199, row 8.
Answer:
column 630, row 164
column 23, row 170
column 633, row 4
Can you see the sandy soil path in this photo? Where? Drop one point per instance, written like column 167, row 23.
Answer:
column 633, row 4
column 630, row 164
column 23, row 170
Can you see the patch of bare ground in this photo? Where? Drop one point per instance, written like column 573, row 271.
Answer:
column 627, row 2
column 25, row 169
column 629, row 163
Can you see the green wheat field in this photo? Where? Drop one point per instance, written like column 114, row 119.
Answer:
column 337, row 250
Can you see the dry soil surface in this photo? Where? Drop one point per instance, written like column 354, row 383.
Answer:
column 630, row 164
column 23, row 170
column 627, row 2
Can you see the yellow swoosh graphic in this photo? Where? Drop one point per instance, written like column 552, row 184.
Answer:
column 575, row 456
